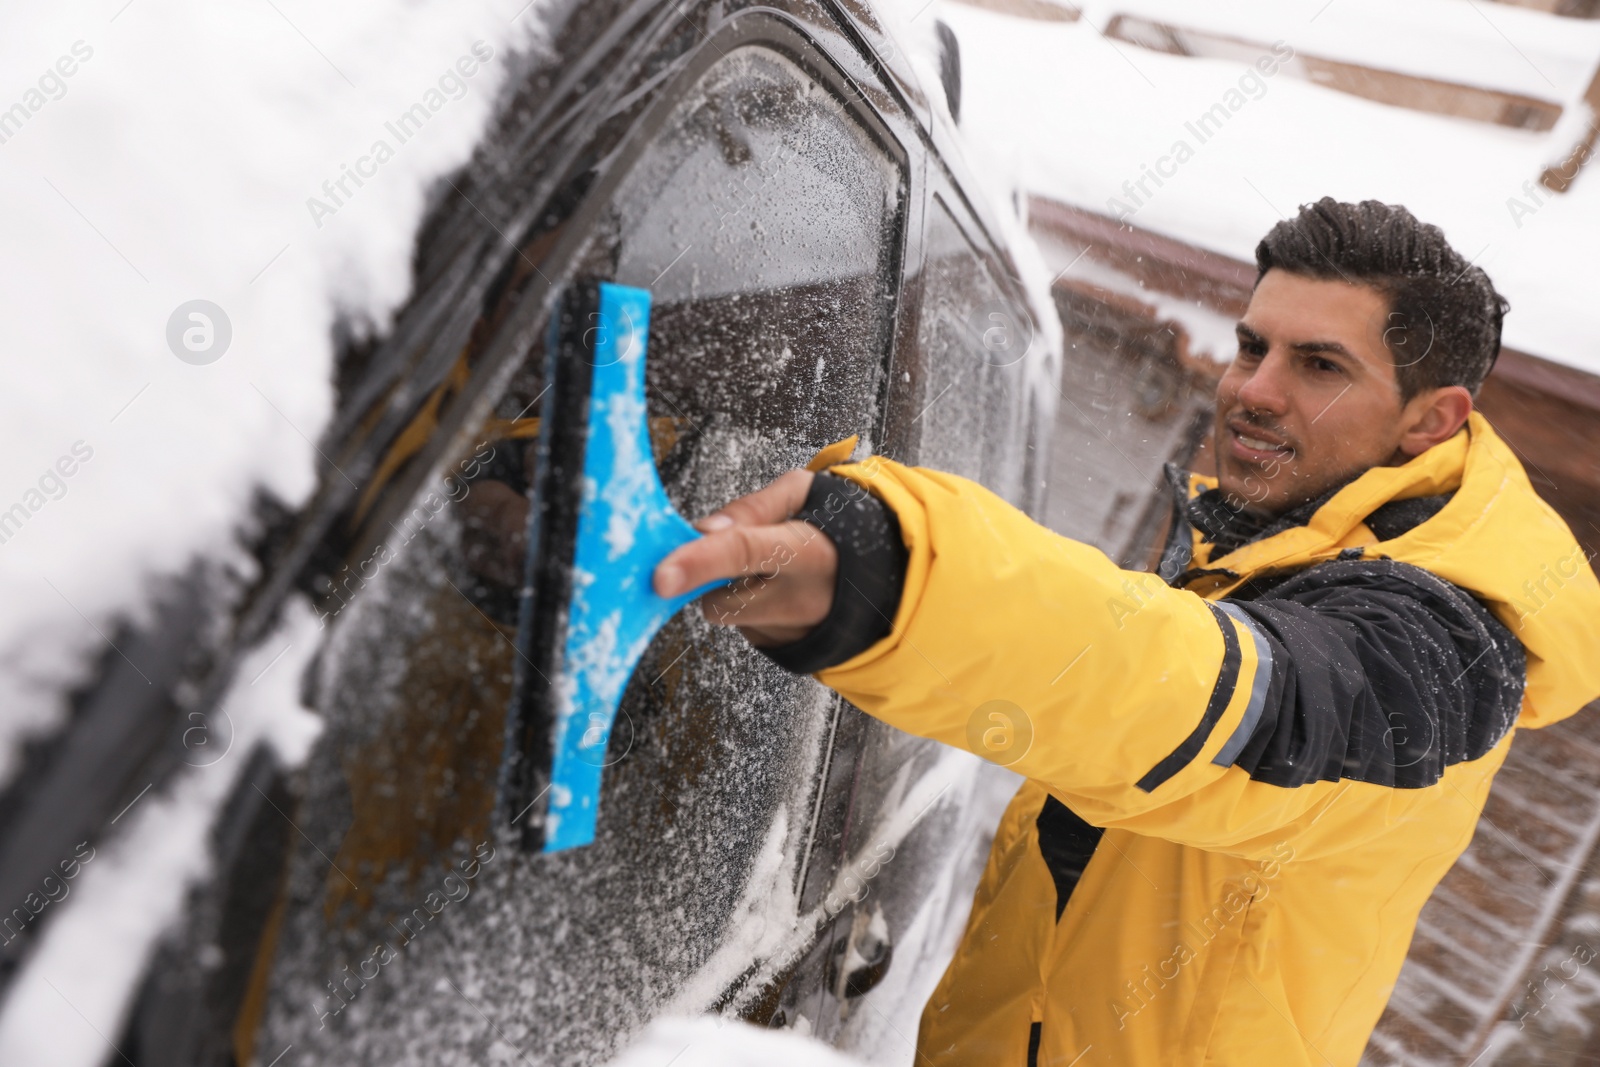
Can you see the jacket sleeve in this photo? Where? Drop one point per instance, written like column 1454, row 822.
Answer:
column 1150, row 708
column 1380, row 672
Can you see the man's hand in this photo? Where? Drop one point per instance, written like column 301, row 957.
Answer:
column 783, row 569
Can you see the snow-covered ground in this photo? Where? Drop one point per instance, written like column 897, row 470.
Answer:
column 1085, row 118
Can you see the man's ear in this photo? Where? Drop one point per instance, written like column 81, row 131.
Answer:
column 1433, row 416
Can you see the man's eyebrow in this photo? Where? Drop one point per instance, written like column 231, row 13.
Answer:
column 1308, row 348
column 1304, row 348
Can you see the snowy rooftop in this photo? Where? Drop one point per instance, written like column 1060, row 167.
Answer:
column 1077, row 115
column 1492, row 45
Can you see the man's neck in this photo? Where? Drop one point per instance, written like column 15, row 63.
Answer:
column 1229, row 527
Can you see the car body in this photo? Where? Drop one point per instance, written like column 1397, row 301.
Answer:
column 820, row 266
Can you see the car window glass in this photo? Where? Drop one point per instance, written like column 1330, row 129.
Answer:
column 762, row 221
column 766, row 221
column 763, row 218
column 971, row 337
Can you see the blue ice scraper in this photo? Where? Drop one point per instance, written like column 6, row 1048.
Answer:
column 599, row 525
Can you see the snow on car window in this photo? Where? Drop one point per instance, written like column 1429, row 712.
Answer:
column 758, row 183
column 761, row 222
column 766, row 224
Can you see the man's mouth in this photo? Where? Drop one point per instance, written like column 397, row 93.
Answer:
column 1258, row 443
column 1256, row 446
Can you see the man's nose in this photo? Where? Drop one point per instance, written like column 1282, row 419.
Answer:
column 1266, row 388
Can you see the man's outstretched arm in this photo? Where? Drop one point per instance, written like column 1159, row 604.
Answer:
column 1139, row 705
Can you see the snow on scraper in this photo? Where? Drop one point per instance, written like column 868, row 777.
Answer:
column 599, row 524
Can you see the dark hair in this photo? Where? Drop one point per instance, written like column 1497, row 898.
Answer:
column 1444, row 319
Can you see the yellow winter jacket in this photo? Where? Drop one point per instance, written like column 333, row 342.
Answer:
column 1278, row 799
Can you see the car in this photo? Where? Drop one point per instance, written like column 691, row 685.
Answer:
column 821, row 264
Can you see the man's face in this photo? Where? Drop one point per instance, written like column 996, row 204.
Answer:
column 1311, row 399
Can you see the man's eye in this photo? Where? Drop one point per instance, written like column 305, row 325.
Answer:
column 1325, row 365
column 1250, row 351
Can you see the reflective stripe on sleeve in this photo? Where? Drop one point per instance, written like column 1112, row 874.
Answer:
column 1258, row 689
column 1221, row 696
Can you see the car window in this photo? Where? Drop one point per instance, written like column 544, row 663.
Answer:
column 766, row 220
column 971, row 338
column 763, row 219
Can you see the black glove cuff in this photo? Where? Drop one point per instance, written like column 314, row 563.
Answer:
column 872, row 574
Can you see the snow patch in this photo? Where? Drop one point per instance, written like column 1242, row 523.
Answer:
column 764, row 921
column 632, row 471
column 72, row 993
column 176, row 163
column 1504, row 48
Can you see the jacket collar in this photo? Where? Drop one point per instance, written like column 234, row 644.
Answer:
column 1494, row 538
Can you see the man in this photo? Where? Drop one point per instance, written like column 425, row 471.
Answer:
column 1243, row 783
